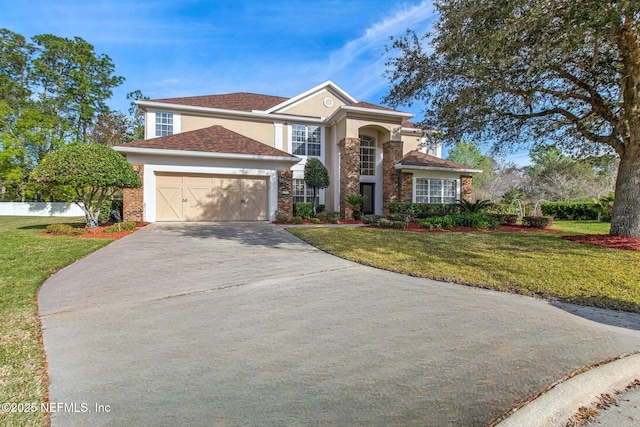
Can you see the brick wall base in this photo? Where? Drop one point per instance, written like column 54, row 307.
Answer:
column 349, row 172
column 133, row 199
column 466, row 182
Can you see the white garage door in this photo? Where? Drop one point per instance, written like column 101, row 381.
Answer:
column 211, row 198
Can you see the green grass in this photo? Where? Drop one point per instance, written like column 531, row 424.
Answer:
column 583, row 227
column 538, row 264
column 26, row 260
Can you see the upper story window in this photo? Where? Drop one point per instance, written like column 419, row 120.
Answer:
column 367, row 155
column 164, row 124
column 305, row 140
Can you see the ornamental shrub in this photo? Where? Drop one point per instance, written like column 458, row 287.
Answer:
column 537, row 221
column 507, row 219
column 282, row 218
column 399, row 224
column 371, row 219
column 570, row 210
column 122, row 226
column 295, row 220
column 65, row 229
column 302, row 209
column 385, row 223
column 315, row 220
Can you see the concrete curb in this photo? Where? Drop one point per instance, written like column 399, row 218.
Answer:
column 560, row 401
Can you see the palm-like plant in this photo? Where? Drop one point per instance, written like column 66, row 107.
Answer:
column 475, row 207
column 355, row 201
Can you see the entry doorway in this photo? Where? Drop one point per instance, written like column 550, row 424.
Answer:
column 368, row 190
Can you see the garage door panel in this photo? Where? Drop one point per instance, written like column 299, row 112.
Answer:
column 211, row 198
column 168, row 198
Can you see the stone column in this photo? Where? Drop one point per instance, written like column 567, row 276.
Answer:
column 133, row 199
column 349, row 172
column 466, row 182
column 391, row 177
column 406, row 192
column 285, row 192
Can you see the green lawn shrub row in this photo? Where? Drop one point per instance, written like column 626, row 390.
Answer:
column 579, row 211
column 480, row 221
column 387, row 223
column 423, row 210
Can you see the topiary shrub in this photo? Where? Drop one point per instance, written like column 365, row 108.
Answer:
column 537, row 221
column 295, row 220
column 334, row 219
column 570, row 210
column 315, row 220
column 399, row 224
column 397, row 216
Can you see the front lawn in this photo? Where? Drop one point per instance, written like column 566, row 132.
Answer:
column 26, row 260
column 539, row 264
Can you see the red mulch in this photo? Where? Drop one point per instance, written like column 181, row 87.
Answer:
column 606, row 241
column 100, row 233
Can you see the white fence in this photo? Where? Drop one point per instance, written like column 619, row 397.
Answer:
column 40, row 209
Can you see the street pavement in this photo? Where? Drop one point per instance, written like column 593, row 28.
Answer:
column 225, row 324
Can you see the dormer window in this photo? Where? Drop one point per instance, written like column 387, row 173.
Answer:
column 164, row 124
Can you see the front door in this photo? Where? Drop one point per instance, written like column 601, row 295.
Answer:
column 368, row 190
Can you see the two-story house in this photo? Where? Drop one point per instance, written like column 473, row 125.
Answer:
column 241, row 156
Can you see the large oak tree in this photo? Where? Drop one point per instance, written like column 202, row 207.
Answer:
column 533, row 71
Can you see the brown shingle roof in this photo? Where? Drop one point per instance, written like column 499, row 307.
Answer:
column 214, row 139
column 371, row 106
column 239, row 101
column 418, row 158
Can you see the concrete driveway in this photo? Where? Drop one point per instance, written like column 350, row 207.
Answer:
column 243, row 324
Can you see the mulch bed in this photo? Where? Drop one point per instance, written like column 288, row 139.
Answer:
column 101, row 234
column 606, row 241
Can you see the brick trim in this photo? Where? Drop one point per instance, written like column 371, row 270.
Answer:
column 133, row 198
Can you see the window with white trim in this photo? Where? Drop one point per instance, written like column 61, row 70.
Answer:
column 429, row 190
column 164, row 124
column 367, row 155
column 301, row 193
column 305, row 140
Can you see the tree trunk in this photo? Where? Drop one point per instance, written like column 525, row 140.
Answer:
column 625, row 219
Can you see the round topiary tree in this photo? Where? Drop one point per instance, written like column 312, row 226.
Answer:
column 93, row 173
column 316, row 177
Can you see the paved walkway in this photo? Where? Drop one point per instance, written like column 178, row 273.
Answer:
column 243, row 324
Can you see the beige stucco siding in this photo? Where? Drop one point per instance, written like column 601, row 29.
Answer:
column 314, row 105
column 260, row 131
column 410, row 142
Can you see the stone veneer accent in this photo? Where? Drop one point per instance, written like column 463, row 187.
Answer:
column 391, row 177
column 349, row 172
column 132, row 199
column 466, row 182
column 406, row 190
column 285, row 185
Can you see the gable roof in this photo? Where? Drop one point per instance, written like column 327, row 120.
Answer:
column 266, row 105
column 418, row 160
column 214, row 139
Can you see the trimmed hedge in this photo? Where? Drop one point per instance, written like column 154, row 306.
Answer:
column 507, row 219
column 537, row 221
column 447, row 222
column 570, row 210
column 423, row 210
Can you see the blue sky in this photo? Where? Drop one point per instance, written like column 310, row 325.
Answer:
column 191, row 47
